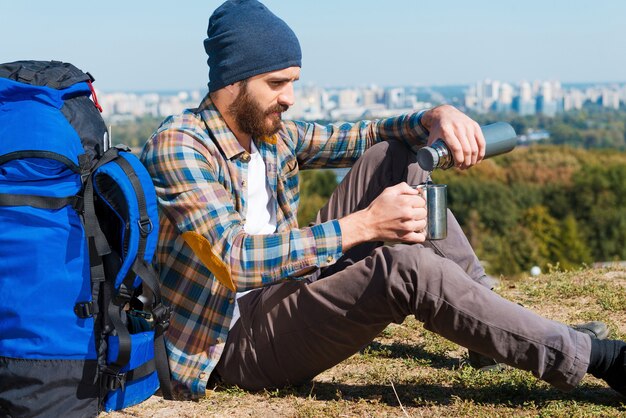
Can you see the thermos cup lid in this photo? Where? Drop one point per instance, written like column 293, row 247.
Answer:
column 427, row 158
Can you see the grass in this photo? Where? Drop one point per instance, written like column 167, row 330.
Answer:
column 409, row 371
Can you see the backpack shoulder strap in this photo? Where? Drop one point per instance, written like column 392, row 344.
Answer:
column 124, row 178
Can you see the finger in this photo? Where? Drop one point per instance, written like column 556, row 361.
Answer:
column 415, row 222
column 400, row 189
column 402, row 209
column 415, row 202
column 455, row 144
column 480, row 140
column 473, row 143
column 405, row 214
column 404, row 201
column 412, row 202
column 415, row 225
column 404, row 188
column 413, row 237
column 418, row 212
column 466, row 151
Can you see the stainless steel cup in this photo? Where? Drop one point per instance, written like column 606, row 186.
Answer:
column 437, row 210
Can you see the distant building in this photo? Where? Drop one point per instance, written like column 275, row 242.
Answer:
column 524, row 107
column 546, row 106
column 610, row 99
column 130, row 105
column 348, row 98
column 574, row 99
column 350, row 103
column 394, row 98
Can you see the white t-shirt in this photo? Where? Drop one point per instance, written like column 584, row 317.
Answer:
column 261, row 208
column 260, row 216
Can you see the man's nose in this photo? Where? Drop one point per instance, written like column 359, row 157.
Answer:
column 286, row 96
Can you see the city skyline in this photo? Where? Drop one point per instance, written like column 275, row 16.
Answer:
column 142, row 46
column 546, row 97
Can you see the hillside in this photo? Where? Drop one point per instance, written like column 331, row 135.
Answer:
column 542, row 205
column 408, row 371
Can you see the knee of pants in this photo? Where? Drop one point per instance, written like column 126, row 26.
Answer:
column 393, row 151
column 412, row 263
column 407, row 275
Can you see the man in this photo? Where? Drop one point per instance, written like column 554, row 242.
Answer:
column 260, row 302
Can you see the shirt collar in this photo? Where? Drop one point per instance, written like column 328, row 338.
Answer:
column 219, row 130
column 222, row 134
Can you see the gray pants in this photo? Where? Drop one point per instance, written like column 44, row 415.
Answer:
column 290, row 332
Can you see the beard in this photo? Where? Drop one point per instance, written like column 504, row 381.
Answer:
column 251, row 118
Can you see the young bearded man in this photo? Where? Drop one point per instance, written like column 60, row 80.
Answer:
column 261, row 302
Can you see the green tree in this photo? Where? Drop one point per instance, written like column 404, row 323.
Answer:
column 493, row 200
column 599, row 201
column 582, row 195
column 575, row 250
column 316, row 186
column 546, row 233
column 511, row 253
column 564, row 133
column 134, row 132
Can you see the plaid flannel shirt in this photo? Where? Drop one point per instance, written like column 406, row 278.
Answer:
column 204, row 255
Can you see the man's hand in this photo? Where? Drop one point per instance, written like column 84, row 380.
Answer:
column 462, row 134
column 397, row 214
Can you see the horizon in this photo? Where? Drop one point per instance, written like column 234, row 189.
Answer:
column 579, row 84
column 153, row 46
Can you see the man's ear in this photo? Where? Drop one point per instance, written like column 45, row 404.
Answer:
column 233, row 89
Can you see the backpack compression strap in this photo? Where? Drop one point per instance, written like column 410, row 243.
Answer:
column 161, row 314
column 41, row 202
column 98, row 245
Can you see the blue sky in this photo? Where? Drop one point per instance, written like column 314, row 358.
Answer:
column 157, row 45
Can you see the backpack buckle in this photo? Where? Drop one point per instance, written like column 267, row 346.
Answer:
column 145, row 226
column 84, row 310
column 78, row 203
column 113, row 381
column 123, row 295
column 122, row 147
column 162, row 314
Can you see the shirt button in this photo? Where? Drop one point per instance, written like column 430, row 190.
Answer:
column 243, row 183
column 231, row 300
column 202, row 376
column 329, row 259
column 245, row 157
column 219, row 341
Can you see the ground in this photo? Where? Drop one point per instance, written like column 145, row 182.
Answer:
column 410, row 372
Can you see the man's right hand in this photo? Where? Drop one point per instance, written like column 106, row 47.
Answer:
column 398, row 214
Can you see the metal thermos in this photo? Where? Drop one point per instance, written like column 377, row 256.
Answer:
column 500, row 137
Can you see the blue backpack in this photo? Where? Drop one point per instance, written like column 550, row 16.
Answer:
column 81, row 318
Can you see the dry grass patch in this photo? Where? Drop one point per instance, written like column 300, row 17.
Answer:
column 408, row 371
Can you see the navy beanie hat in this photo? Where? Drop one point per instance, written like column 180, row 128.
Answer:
column 246, row 39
